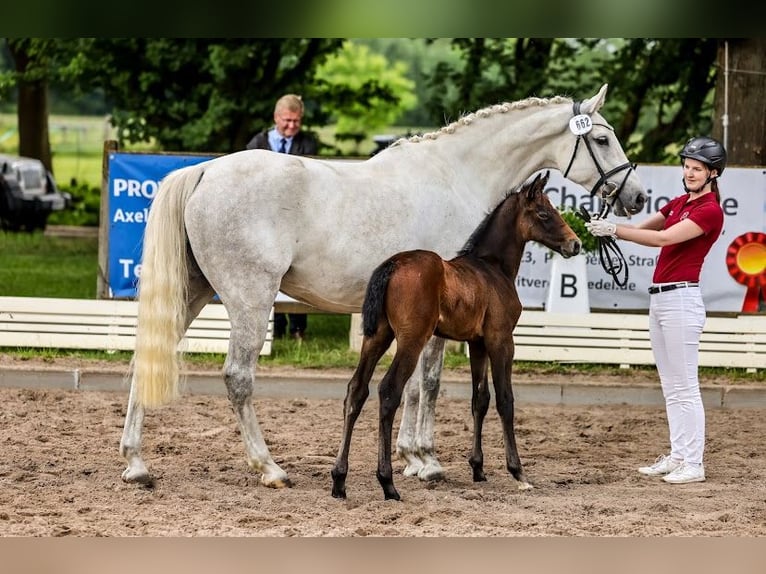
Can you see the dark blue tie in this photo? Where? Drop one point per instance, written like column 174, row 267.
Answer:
column 283, row 145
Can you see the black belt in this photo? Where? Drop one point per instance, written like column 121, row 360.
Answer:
column 671, row 286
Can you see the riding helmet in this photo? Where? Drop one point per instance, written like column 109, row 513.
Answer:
column 707, row 150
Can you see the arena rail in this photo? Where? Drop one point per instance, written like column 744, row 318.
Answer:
column 604, row 338
column 737, row 341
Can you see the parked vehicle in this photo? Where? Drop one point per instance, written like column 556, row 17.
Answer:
column 28, row 194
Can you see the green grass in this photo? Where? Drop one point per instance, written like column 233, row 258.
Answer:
column 33, row 265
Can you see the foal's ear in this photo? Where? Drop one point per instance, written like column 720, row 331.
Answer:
column 592, row 105
column 537, row 185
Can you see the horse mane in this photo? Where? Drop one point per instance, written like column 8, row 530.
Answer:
column 478, row 233
column 469, row 118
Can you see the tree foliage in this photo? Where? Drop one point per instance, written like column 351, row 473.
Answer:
column 355, row 70
column 212, row 95
column 657, row 100
column 206, row 94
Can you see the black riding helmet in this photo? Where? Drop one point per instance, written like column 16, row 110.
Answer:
column 707, row 150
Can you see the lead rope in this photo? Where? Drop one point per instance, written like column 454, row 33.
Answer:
column 609, row 253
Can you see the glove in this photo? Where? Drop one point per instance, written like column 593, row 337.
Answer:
column 601, row 228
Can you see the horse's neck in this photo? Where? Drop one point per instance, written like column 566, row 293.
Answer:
column 498, row 152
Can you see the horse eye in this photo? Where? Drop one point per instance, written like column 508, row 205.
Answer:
column 602, row 140
column 544, row 215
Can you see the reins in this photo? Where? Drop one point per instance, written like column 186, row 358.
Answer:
column 609, row 253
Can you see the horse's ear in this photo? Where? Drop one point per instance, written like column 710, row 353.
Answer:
column 592, row 105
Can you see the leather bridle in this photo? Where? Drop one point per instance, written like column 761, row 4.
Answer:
column 611, row 190
column 610, row 256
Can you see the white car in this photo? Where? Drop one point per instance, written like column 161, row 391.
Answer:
column 28, row 194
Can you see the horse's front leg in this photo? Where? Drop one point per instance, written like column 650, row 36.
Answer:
column 130, row 444
column 239, row 375
column 415, row 442
column 501, row 363
column 479, row 407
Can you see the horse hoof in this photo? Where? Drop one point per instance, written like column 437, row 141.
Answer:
column 134, row 476
column 392, row 495
column 431, row 472
column 525, row 486
column 339, row 494
column 277, row 483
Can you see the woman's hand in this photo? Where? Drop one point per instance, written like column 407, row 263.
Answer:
column 602, row 228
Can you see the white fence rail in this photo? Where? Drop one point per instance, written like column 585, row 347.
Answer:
column 609, row 338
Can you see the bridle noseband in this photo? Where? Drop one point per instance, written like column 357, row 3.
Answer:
column 611, row 190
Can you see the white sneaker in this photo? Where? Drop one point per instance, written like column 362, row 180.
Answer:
column 686, row 473
column 662, row 465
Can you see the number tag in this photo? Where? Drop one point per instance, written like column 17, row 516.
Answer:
column 580, row 125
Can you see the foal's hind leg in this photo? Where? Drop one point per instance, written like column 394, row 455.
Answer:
column 390, row 395
column 356, row 395
column 415, row 441
column 248, row 332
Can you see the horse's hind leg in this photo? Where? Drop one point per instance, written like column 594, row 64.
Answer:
column 356, row 395
column 199, row 293
column 130, row 444
column 415, row 441
column 479, row 407
column 248, row 333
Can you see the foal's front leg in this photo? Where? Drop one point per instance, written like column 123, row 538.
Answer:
column 415, row 442
column 479, row 406
column 501, row 377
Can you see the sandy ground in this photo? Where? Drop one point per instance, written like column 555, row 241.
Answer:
column 60, row 473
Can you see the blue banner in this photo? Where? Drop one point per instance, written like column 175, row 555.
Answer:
column 133, row 182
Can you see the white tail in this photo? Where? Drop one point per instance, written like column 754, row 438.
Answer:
column 162, row 289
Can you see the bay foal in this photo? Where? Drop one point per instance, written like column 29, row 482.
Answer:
column 415, row 295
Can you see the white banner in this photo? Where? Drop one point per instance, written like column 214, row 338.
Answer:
column 734, row 271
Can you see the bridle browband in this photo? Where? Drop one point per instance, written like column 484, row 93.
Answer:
column 609, row 253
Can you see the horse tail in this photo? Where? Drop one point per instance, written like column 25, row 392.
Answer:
column 162, row 290
column 375, row 297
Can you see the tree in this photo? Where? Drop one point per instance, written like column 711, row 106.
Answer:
column 353, row 71
column 661, row 98
column 203, row 94
column 740, row 95
column 657, row 100
column 32, row 59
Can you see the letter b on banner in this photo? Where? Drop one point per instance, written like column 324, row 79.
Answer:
column 568, row 288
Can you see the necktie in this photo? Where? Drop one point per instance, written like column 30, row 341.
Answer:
column 283, row 145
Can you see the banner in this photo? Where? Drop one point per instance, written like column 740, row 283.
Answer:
column 133, row 181
column 733, row 277
column 734, row 271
